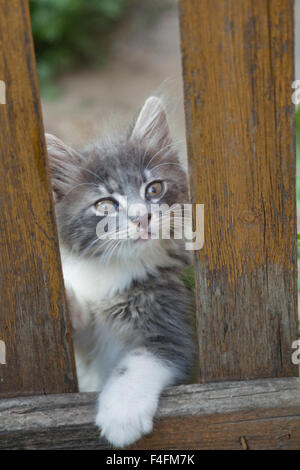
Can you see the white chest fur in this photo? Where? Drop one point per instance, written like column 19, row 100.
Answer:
column 93, row 281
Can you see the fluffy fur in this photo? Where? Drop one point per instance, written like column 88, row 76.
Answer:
column 131, row 313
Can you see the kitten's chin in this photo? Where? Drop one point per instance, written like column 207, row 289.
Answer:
column 140, row 247
column 145, row 237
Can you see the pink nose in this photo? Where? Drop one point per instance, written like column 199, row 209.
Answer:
column 142, row 221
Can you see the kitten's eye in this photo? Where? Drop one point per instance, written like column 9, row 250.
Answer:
column 106, row 206
column 154, row 190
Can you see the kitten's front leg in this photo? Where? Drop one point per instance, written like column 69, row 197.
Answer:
column 129, row 399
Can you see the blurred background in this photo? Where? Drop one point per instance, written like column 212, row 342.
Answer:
column 98, row 61
column 102, row 58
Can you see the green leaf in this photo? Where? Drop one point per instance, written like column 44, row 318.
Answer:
column 69, row 32
column 188, row 277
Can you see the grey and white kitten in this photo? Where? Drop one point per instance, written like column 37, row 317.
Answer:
column 131, row 313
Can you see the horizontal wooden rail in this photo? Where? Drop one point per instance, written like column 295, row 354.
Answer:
column 258, row 414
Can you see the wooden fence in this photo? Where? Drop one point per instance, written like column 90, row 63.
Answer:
column 238, row 66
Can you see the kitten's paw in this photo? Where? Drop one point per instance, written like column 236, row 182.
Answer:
column 123, row 417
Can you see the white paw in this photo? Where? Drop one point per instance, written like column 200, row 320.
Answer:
column 123, row 416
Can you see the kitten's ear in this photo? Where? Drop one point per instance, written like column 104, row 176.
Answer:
column 152, row 124
column 63, row 163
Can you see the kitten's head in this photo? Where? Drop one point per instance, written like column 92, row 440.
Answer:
column 117, row 181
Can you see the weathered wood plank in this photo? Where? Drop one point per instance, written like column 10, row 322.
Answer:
column 259, row 414
column 33, row 316
column 238, row 61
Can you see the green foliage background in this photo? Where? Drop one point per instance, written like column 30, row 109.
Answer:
column 65, row 32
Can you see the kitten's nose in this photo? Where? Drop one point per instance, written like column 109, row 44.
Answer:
column 141, row 220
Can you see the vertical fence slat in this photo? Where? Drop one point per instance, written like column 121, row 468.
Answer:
column 238, row 69
column 33, row 317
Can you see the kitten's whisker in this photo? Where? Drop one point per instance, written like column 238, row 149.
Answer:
column 172, row 144
column 86, row 250
column 106, row 251
column 114, row 250
column 142, row 161
column 113, row 232
column 162, row 164
column 91, row 173
column 102, row 243
column 117, row 233
column 81, row 184
column 144, row 156
column 110, row 250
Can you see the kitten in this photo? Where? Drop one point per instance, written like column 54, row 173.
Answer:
column 131, row 314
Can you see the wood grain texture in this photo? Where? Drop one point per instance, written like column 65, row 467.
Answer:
column 238, row 66
column 33, row 316
column 260, row 414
